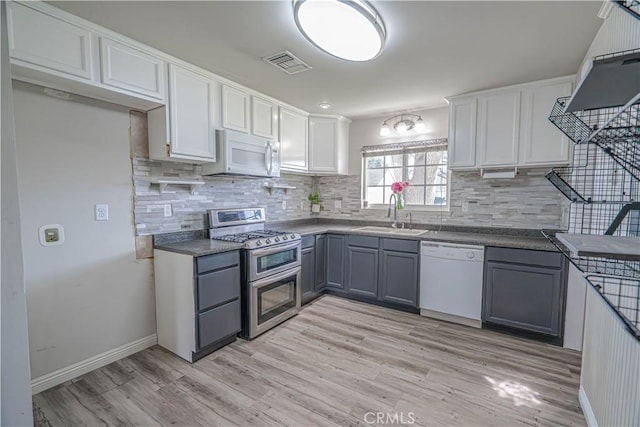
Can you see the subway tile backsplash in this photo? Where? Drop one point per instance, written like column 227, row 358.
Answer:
column 189, row 210
column 527, row 201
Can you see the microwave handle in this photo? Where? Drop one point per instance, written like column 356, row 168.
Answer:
column 268, row 158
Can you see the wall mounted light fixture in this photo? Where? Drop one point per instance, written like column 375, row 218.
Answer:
column 402, row 124
column 346, row 29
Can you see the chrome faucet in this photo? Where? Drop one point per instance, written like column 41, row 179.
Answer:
column 395, row 210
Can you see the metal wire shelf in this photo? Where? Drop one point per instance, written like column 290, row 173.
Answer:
column 618, row 281
column 630, row 6
column 615, row 130
column 595, row 177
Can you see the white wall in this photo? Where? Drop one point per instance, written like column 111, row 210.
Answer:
column 620, row 31
column 89, row 295
column 367, row 132
column 15, row 390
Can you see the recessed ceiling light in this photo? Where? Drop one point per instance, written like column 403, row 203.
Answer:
column 346, row 29
column 324, row 105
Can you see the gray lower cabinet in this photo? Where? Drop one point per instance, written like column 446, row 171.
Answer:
column 307, row 274
column 217, row 301
column 314, row 266
column 362, row 271
column 321, row 263
column 336, row 248
column 525, row 290
column 400, row 277
column 197, row 302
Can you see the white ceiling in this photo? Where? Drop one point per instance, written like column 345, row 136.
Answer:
column 434, row 48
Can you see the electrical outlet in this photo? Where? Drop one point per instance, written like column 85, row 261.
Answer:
column 465, row 206
column 167, row 210
column 337, row 204
column 301, row 206
column 102, row 212
column 284, row 205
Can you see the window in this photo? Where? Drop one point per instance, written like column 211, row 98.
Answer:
column 422, row 163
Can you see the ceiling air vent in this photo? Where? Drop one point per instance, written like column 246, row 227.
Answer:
column 287, row 62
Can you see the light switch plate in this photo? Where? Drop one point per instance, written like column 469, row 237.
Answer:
column 51, row 235
column 167, row 210
column 337, row 204
column 284, row 205
column 102, row 212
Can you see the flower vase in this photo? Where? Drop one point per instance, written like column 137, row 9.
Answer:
column 400, row 201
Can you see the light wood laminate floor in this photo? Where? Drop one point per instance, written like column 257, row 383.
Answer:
column 338, row 362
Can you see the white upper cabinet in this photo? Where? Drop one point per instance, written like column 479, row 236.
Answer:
column 52, row 48
column 184, row 130
column 508, row 127
column 462, row 133
column 498, row 129
column 131, row 69
column 328, row 144
column 235, row 109
column 264, row 118
column 37, row 39
column 293, row 140
column 541, row 142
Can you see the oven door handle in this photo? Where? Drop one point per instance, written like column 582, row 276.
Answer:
column 276, row 277
column 274, row 249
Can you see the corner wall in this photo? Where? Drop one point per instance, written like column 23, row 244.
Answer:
column 15, row 390
column 89, row 295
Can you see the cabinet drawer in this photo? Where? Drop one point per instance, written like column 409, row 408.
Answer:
column 308, row 241
column 525, row 256
column 218, row 287
column 401, row 245
column 217, row 261
column 218, row 323
column 364, row 241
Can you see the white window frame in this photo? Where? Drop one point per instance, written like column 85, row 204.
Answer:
column 384, row 152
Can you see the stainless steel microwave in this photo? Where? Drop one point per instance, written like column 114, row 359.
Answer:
column 244, row 154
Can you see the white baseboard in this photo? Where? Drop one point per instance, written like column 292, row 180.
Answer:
column 586, row 408
column 70, row 372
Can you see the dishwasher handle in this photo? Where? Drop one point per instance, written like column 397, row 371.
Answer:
column 453, row 252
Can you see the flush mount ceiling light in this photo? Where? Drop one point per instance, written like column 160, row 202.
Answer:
column 324, row 105
column 346, row 29
column 402, row 124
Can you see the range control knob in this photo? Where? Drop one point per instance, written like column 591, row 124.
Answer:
column 285, row 237
column 471, row 255
column 293, row 236
column 268, row 241
column 259, row 243
column 277, row 239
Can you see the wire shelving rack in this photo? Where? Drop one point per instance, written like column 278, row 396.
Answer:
column 603, row 186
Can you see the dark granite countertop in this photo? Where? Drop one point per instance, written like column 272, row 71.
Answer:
column 199, row 247
column 506, row 238
column 196, row 244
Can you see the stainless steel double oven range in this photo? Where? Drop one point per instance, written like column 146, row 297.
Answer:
column 271, row 288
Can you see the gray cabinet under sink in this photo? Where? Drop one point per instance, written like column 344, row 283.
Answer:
column 362, row 271
column 399, row 277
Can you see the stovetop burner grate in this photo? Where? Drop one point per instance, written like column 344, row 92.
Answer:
column 245, row 237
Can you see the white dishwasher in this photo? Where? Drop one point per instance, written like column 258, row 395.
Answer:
column 451, row 282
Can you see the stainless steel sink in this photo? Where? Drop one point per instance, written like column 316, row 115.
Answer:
column 389, row 230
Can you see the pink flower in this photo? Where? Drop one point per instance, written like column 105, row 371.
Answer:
column 398, row 187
